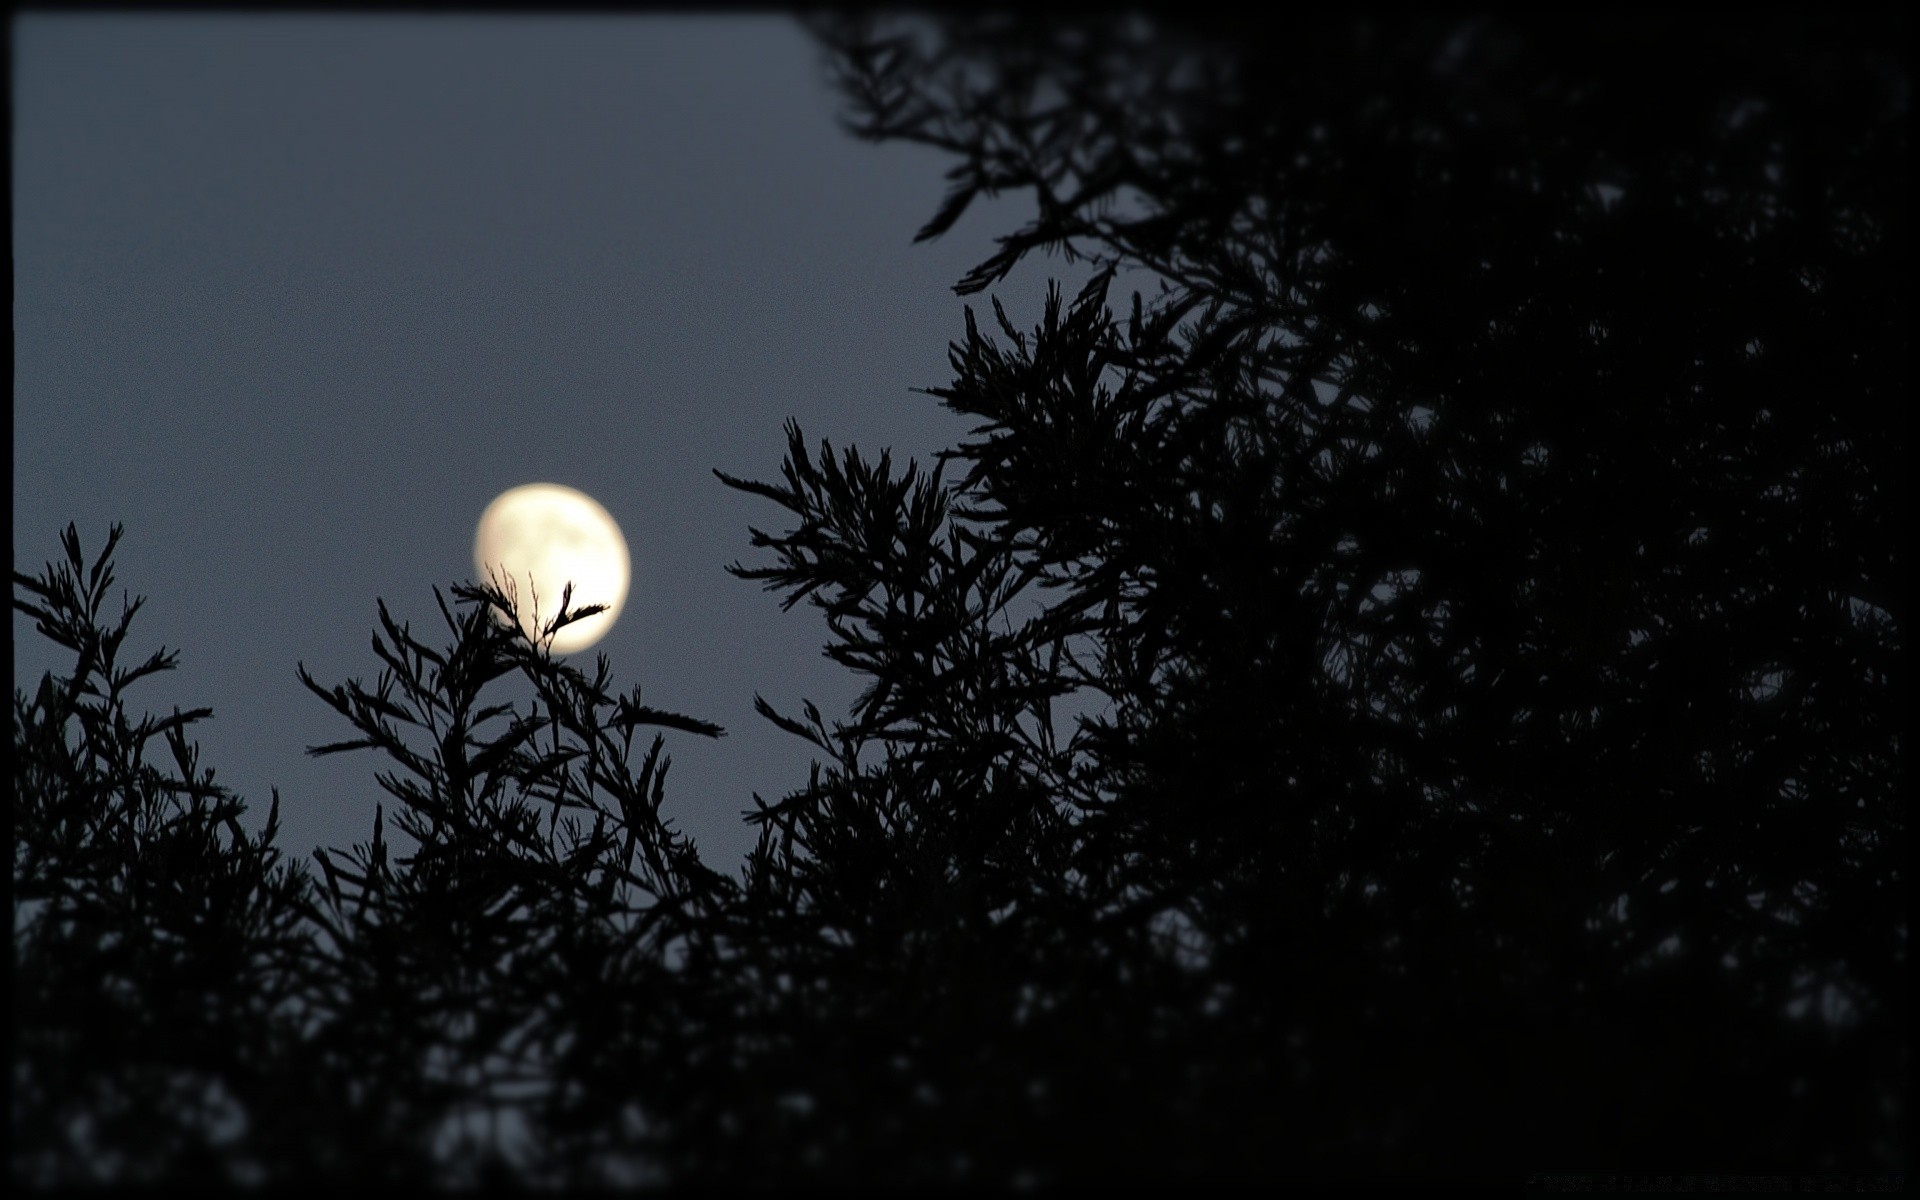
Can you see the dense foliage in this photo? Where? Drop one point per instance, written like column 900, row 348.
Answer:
column 1420, row 693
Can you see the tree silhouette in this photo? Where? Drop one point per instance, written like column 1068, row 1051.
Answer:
column 480, row 972
column 1419, row 695
column 192, row 1010
column 157, row 949
column 1487, row 546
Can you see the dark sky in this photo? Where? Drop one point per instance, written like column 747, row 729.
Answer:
column 294, row 297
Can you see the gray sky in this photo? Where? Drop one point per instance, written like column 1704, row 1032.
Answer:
column 295, row 296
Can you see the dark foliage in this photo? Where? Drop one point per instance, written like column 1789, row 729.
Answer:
column 1486, row 551
column 192, row 1011
column 1419, row 695
column 157, row 949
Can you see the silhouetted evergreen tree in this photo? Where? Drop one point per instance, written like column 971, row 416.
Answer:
column 158, row 949
column 445, row 1009
column 1419, row 695
column 478, row 989
column 1488, row 548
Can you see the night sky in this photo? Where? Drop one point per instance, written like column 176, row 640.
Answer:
column 295, row 297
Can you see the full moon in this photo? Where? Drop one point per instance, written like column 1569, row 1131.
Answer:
column 535, row 539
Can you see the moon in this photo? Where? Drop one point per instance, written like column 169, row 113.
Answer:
column 537, row 538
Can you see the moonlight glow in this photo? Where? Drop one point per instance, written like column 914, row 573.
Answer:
column 543, row 536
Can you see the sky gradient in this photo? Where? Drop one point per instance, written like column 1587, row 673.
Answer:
column 296, row 296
